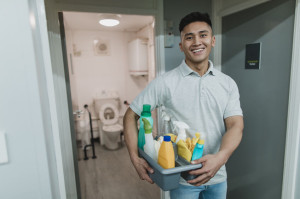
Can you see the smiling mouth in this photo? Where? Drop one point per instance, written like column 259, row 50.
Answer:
column 197, row 51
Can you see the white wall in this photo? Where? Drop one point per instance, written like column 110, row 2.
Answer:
column 93, row 73
column 24, row 105
column 72, row 77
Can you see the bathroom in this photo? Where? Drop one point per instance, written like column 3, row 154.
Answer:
column 108, row 67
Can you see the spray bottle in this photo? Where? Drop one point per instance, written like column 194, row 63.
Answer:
column 166, row 124
column 146, row 113
column 181, row 127
column 149, row 142
column 168, row 130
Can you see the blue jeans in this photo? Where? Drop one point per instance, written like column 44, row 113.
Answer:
column 216, row 191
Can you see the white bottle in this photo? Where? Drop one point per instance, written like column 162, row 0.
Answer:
column 181, row 127
column 149, row 146
column 166, row 125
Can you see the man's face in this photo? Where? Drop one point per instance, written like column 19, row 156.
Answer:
column 196, row 42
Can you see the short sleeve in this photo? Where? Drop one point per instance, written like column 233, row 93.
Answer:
column 153, row 94
column 233, row 106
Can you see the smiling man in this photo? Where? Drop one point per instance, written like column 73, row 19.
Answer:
column 204, row 98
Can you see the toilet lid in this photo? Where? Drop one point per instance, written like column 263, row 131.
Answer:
column 109, row 114
column 113, row 128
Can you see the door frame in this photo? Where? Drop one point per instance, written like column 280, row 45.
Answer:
column 292, row 145
column 57, row 88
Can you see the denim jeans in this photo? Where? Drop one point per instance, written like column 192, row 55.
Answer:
column 216, row 191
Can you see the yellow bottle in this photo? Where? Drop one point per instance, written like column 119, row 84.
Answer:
column 166, row 157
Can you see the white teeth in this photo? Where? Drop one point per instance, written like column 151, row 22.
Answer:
column 198, row 50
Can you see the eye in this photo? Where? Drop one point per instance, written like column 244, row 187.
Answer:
column 203, row 35
column 189, row 38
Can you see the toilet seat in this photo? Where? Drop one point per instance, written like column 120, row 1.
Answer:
column 109, row 121
column 113, row 128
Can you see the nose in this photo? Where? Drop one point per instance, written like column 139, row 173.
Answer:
column 197, row 40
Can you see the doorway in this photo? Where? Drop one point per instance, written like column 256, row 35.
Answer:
column 98, row 64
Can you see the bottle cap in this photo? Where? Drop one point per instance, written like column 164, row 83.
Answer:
column 200, row 141
column 167, row 138
column 197, row 135
column 146, row 110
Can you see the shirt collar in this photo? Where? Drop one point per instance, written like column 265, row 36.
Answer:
column 186, row 70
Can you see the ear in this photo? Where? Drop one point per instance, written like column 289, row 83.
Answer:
column 213, row 41
column 180, row 46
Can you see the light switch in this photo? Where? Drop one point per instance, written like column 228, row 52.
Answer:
column 3, row 148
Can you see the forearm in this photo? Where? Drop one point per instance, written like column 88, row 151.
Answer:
column 131, row 139
column 232, row 137
column 213, row 162
column 131, row 133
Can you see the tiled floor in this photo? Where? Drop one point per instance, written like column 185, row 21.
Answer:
column 112, row 176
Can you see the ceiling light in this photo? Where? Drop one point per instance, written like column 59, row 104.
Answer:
column 109, row 20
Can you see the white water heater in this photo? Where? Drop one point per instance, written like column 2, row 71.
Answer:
column 138, row 57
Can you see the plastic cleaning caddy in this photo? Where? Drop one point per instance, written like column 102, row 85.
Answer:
column 168, row 179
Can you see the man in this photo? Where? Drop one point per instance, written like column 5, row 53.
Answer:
column 204, row 98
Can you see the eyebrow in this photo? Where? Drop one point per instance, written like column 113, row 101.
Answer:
column 190, row 33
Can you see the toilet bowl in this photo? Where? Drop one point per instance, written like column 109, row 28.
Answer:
column 109, row 117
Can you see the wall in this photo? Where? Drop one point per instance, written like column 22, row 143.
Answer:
column 174, row 11
column 255, row 170
column 24, row 104
column 93, row 74
column 72, row 76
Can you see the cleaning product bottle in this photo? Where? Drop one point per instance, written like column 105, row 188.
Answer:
column 167, row 128
column 166, row 158
column 198, row 150
column 166, row 123
column 181, row 127
column 146, row 113
column 149, row 147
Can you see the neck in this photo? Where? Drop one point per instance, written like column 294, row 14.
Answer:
column 200, row 68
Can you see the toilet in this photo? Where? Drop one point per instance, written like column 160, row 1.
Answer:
column 107, row 108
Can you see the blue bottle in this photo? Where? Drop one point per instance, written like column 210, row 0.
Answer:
column 146, row 113
column 198, row 150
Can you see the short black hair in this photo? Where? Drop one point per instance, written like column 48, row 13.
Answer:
column 194, row 17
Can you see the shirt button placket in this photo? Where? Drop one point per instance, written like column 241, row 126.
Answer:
column 200, row 82
column 202, row 87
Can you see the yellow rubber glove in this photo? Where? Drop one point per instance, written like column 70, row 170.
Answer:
column 183, row 150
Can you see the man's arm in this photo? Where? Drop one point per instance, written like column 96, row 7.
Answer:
column 213, row 162
column 131, row 139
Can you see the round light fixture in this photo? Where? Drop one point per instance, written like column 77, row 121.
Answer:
column 109, row 20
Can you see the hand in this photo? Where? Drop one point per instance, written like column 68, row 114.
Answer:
column 210, row 166
column 141, row 166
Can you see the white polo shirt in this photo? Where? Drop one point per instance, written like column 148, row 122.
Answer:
column 201, row 102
